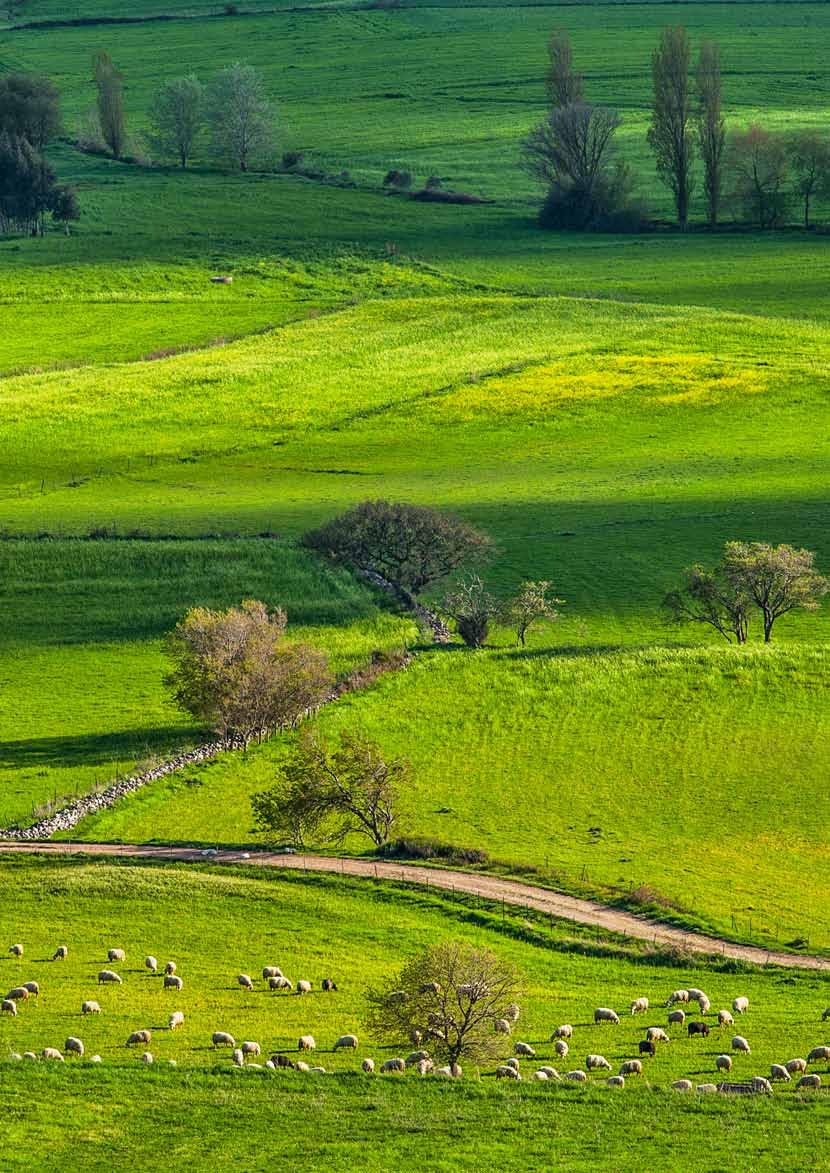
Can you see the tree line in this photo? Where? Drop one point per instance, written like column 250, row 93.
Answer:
column 759, row 174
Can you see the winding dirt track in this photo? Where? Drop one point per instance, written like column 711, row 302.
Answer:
column 512, row 892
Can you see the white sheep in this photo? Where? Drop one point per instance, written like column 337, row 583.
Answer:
column 677, row 996
column 676, row 1017
column 502, row 1026
column 237, row 1058
column 512, row 1062
column 303, row 987
column 424, row 1066
column 172, row 982
column 368, row 1065
column 813, row 1081
column 704, row 1004
column 51, row 1053
column 511, row 1013
column 221, row 1038
column 725, row 1018
column 139, row 1036
column 682, row 1085
column 318, row 1070
column 565, row 1031
column 147, row 1058
column 394, row 1065
column 739, row 1043
column 8, row 1006
column 61, row 953
column 795, row 1065
column 777, row 1071
column 639, row 1006
column 551, row 1073
column 16, row 950
column 723, row 1063
column 349, row 1042
column 306, row 1043
column 90, row 1007
column 270, row 1065
column 108, row 976
column 761, row 1086
column 151, row 963
column 540, row 1075
column 170, row 967
column 631, row 1067
column 269, row 971
column 443, row 1072
column 740, row 1005
column 525, row 1050
column 301, row 1066
column 504, row 1072
column 818, row 1053
column 605, row 1014
column 576, row 1076
column 175, row 1020
column 251, row 1048
column 416, row 1057
column 706, row 1087
column 245, row 981
column 95, row 1059
column 615, row 1081
column 597, row 1063
column 29, row 1055
column 656, row 1034
column 116, row 955
column 74, row 1046
column 278, row 982
column 561, row 1048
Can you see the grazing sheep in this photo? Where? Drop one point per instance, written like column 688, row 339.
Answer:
column 303, row 987
column 51, row 1053
column 761, row 1086
column 723, row 1063
column 512, row 1062
column 813, row 1081
column 561, row 1048
column 615, row 1081
column 677, row 1017
column 270, row 1065
column 33, row 988
column 502, row 1026
column 416, row 1057
column 221, row 1038
column 540, row 1076
column 108, row 976
column 631, row 1067
column 394, row 1065
column 682, row 1085
column 525, row 1050
column 430, row 988
column 269, row 971
column 90, row 1007
column 147, row 1058
column 171, row 982
column 16, row 950
column 656, row 1034
column 818, row 1053
column 424, row 1066
column 443, row 1072
column 350, row 1043
column 170, row 967
column 139, row 1036
column 706, row 1087
column 704, row 1004
column 282, row 1061
column 776, row 1071
column 245, row 981
column 739, row 1043
column 795, row 1065
column 116, row 955
column 576, row 1076
column 251, row 1048
column 639, row 1006
column 696, row 995
column 647, row 1047
column 725, row 1018
column 563, row 1032
column 512, row 1013
column 698, row 1028
column 597, row 1063
column 279, row 983
column 8, row 1006
column 740, row 1005
column 677, row 996
column 368, row 1065
column 237, row 1058
column 505, row 1072
column 300, row 1066
column 306, row 1043
column 604, row 1014
column 551, row 1073
column 151, row 963
column 61, row 953
column 175, row 1020
column 18, row 994
column 74, row 1046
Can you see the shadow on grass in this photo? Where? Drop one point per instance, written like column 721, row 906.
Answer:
column 96, row 749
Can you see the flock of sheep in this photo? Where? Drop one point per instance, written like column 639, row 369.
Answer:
column 247, row 1053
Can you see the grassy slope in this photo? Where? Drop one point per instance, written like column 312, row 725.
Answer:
column 333, row 927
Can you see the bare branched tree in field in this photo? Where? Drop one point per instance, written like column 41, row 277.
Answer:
column 711, row 130
column 670, row 132
column 451, row 995
column 177, row 117
column 110, row 85
column 758, row 162
column 810, row 162
column 711, row 598
column 472, row 607
column 778, row 579
column 564, row 85
column 530, row 605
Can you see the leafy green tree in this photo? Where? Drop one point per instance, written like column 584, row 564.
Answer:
column 670, row 133
column 29, row 108
column 531, row 604
column 711, row 127
column 241, row 117
column 809, row 152
column 177, row 117
column 110, row 86
column 713, row 598
column 564, row 85
column 777, row 579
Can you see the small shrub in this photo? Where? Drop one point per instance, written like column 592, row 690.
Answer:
column 291, row 159
column 402, row 180
column 422, row 847
column 437, row 196
column 434, row 182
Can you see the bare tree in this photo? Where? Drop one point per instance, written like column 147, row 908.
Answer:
column 451, row 995
column 565, row 87
column 235, row 671
column 758, row 162
column 241, row 117
column 350, row 790
column 110, row 85
column 711, row 128
column 777, row 579
column 472, row 607
column 177, row 117
column 712, row 598
column 670, row 134
column 572, row 145
column 530, row 605
column 810, row 161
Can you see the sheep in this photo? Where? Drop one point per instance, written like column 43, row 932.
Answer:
column 33, row 988
column 237, row 1058
column 704, row 1004
column 677, row 996
column 656, row 1034
column 740, row 1005
column 511, row 1013
column 170, row 967
column 108, row 976
column 138, row 1036
column 314, row 1070
column 443, row 1072
column 172, row 1063
column 739, row 1043
column 502, row 1026
column 394, row 1065
column 300, row 1066
column 251, row 1048
column 151, row 963
column 631, row 1067
column 18, row 994
column 51, row 1053
column 576, row 1076
column 615, row 1081
column 430, row 988
column 551, row 1073
column 818, row 1053
column 116, row 955
column 706, row 1087
column 561, row 1048
column 696, row 995
column 282, row 1061
column 698, row 1028
column 270, row 1065
column 604, row 1014
column 795, row 1065
column 29, row 1055
column 761, row 1086
column 416, row 1057
column 16, row 950
column 221, row 1038
column 303, row 987
column 562, row 1032
column 725, row 1018
column 540, row 1076
column 8, row 1006
column 676, row 1017
column 61, row 953
column 525, row 1050
column 74, row 1046
column 175, row 1020
column 95, row 1059
column 723, row 1063
column 306, row 1043
column 171, row 982
column 505, row 1072
column 279, row 983
column 813, row 1081
column 682, row 1085
column 597, row 1063
column 368, row 1065
column 328, row 986
column 639, row 1006
column 90, row 1007
column 777, row 1071
column 269, row 971
column 647, row 1047
column 147, row 1058
column 245, row 981
column 350, row 1043
column 512, row 1062
column 424, row 1066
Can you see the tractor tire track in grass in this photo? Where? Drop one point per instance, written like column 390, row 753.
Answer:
column 491, row 888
